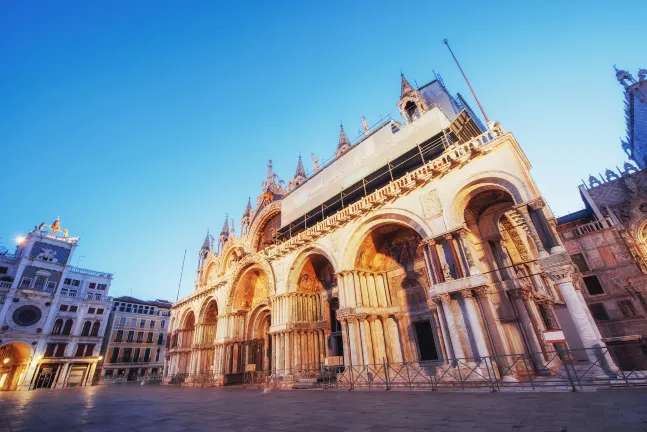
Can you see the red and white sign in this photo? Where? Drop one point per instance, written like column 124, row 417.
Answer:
column 554, row 336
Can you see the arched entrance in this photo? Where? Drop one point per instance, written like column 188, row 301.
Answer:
column 392, row 273
column 14, row 359
column 318, row 333
column 185, row 342
column 207, row 336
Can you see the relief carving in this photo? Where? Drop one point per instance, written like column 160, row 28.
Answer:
column 431, row 205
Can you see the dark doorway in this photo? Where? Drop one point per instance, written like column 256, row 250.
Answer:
column 45, row 377
column 132, row 374
column 426, row 343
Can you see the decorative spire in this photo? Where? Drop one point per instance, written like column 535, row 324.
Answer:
column 248, row 209
column 343, row 139
column 301, row 172
column 225, row 227
column 206, row 246
column 406, row 87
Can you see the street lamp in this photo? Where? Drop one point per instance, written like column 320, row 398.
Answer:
column 5, row 361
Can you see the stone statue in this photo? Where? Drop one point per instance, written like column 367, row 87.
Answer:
column 447, row 273
column 315, row 161
column 367, row 131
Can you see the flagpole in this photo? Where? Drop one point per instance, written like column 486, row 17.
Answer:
column 181, row 273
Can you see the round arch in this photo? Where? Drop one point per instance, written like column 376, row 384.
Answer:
column 205, row 308
column 300, row 260
column 241, row 269
column 454, row 210
column 260, row 221
column 21, row 349
column 379, row 218
column 188, row 313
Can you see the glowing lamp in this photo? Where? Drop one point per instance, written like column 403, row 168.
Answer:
column 20, row 239
column 5, row 361
column 100, row 358
column 39, row 357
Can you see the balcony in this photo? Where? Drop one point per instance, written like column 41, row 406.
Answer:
column 591, row 227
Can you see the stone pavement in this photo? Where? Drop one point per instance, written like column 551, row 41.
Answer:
column 168, row 408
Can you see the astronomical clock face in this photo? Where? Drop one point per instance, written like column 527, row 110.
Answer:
column 26, row 315
column 49, row 253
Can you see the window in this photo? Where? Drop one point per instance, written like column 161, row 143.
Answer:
column 25, row 283
column 115, row 355
column 51, row 286
column 108, row 373
column 4, row 270
column 64, row 291
column 60, row 350
column 136, row 356
column 68, row 327
column 152, row 324
column 67, row 281
column 127, row 352
column 122, row 321
column 131, row 336
column 76, row 283
column 162, row 323
column 593, row 285
column 102, row 286
column 627, row 308
column 89, row 296
column 598, row 311
column 122, row 307
column 142, row 323
column 129, row 308
column 80, row 350
column 580, row 262
column 86, row 328
column 49, row 351
column 72, row 293
column 97, row 296
column 160, row 339
column 92, row 285
column 147, row 355
column 133, row 322
column 140, row 337
column 74, row 308
column 120, row 336
column 157, row 357
column 152, row 311
column 58, row 326
column 89, row 350
column 63, row 308
column 100, row 311
column 149, row 338
column 95, row 328
column 91, row 310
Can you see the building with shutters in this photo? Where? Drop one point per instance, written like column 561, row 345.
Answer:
column 134, row 346
column 52, row 316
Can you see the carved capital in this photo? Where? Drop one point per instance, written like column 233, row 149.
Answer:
column 448, row 236
column 429, row 242
column 482, row 291
column 560, row 275
column 467, row 293
column 536, row 204
column 444, row 298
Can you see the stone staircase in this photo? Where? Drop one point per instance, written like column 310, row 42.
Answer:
column 305, row 384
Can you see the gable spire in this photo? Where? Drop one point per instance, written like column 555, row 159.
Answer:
column 248, row 209
column 301, row 172
column 405, row 88
column 225, row 227
column 343, row 139
column 206, row 246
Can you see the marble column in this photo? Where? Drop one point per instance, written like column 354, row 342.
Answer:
column 467, row 252
column 367, row 346
column 449, row 349
column 394, row 340
column 345, row 340
column 377, row 338
column 436, row 327
column 523, row 211
column 458, row 267
column 452, row 327
column 475, row 323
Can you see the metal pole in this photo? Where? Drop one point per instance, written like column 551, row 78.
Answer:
column 181, row 273
column 446, row 42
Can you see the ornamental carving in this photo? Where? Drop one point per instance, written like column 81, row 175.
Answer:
column 431, row 205
column 561, row 275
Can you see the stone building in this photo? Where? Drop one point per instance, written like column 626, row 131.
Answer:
column 607, row 240
column 635, row 144
column 424, row 240
column 135, row 342
column 52, row 315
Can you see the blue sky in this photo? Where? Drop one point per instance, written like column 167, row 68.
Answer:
column 142, row 123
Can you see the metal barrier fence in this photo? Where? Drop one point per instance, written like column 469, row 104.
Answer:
column 562, row 369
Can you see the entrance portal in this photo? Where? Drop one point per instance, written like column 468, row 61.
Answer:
column 14, row 359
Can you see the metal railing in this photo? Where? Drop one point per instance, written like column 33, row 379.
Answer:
column 588, row 228
column 572, row 370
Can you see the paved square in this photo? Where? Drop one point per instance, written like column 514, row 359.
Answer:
column 166, row 408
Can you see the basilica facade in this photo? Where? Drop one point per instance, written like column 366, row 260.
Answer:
column 423, row 240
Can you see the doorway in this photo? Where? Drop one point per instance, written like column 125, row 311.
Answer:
column 426, row 343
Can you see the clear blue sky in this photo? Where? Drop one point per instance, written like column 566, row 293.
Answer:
column 142, row 123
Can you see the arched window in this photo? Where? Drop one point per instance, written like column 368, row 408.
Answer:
column 95, row 328
column 412, row 110
column 58, row 326
column 68, row 327
column 86, row 329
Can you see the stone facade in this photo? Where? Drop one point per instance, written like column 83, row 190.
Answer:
column 53, row 315
column 439, row 249
column 135, row 342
